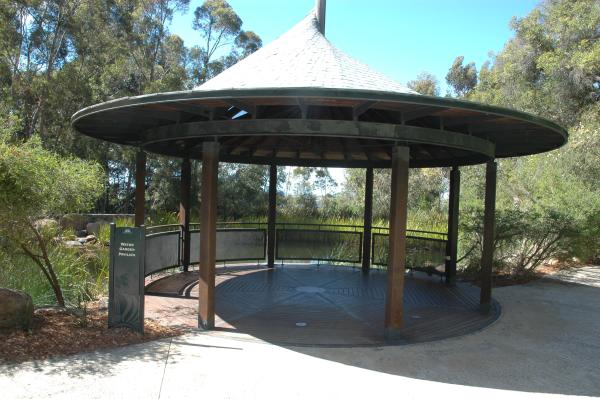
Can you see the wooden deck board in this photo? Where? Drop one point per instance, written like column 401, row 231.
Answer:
column 337, row 305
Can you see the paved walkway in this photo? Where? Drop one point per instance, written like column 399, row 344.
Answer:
column 546, row 342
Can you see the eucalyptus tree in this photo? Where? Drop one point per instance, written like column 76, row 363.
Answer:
column 462, row 78
column 425, row 83
column 220, row 27
column 550, row 67
column 35, row 42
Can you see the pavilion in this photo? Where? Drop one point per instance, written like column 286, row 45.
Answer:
column 299, row 101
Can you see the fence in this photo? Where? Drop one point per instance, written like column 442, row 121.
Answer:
column 425, row 250
column 308, row 242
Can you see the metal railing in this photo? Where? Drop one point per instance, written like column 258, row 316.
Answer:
column 247, row 241
column 425, row 250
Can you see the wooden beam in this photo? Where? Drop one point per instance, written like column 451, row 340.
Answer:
column 272, row 215
column 361, row 108
column 208, row 234
column 247, row 144
column 367, row 221
column 417, row 113
column 140, row 187
column 394, row 307
column 184, row 211
column 192, row 109
column 452, row 243
column 158, row 114
column 489, row 225
column 315, row 127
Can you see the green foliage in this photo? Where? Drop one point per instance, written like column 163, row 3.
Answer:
column 462, row 78
column 551, row 66
column 548, row 204
column 426, row 84
column 83, row 274
column 104, row 229
column 243, row 191
column 35, row 184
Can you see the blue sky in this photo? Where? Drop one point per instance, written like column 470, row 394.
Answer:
column 400, row 38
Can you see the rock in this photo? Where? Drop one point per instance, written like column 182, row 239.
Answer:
column 94, row 227
column 16, row 309
column 90, row 239
column 103, row 303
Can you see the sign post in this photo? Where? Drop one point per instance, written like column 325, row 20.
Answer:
column 126, row 277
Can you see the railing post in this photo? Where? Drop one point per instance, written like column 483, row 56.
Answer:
column 367, row 221
column 272, row 215
column 140, row 187
column 184, row 211
column 452, row 237
column 489, row 225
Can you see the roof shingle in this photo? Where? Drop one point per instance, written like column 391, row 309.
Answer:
column 302, row 58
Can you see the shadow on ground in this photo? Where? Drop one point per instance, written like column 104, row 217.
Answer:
column 546, row 341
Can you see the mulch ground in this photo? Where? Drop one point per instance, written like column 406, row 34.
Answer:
column 57, row 332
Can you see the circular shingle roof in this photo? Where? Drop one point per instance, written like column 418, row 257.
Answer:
column 302, row 57
column 300, row 101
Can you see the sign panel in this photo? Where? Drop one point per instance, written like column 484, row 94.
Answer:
column 126, row 277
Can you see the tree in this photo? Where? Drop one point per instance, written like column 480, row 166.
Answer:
column 462, row 78
column 243, row 191
column 548, row 203
column 220, row 26
column 35, row 43
column 426, row 84
column 35, row 184
column 551, row 66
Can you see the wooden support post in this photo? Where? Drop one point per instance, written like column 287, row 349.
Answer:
column 184, row 212
column 208, row 235
column 394, row 307
column 367, row 221
column 487, row 257
column 140, row 187
column 272, row 215
column 452, row 243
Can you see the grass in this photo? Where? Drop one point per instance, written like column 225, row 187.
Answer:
column 82, row 271
column 416, row 221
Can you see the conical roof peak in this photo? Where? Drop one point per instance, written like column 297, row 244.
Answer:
column 302, row 58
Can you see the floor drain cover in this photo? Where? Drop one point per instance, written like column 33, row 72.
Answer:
column 300, row 324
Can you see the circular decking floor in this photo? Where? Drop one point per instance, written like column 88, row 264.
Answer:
column 330, row 306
